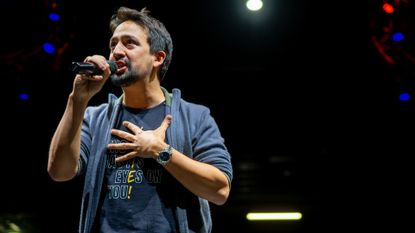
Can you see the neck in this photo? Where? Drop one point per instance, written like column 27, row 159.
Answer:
column 142, row 96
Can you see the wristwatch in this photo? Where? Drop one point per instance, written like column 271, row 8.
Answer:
column 165, row 155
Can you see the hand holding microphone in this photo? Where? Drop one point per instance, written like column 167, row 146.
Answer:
column 90, row 76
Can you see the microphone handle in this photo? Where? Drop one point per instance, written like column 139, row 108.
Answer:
column 85, row 68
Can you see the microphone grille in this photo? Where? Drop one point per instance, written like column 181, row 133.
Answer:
column 113, row 66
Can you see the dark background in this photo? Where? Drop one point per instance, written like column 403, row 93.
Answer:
column 307, row 106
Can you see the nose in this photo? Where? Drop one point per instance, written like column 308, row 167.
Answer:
column 118, row 51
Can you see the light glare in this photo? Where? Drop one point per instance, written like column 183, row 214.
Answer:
column 254, row 5
column 274, row 216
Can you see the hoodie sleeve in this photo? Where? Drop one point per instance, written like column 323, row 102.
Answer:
column 86, row 140
column 209, row 146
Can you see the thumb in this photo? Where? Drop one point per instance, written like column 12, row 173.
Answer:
column 165, row 124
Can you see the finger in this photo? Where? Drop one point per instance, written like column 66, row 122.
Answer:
column 92, row 77
column 132, row 127
column 87, row 58
column 121, row 146
column 125, row 157
column 123, row 134
column 101, row 63
column 166, row 122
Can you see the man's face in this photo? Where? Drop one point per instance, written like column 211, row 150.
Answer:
column 130, row 49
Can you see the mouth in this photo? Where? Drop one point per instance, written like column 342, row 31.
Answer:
column 121, row 70
column 121, row 67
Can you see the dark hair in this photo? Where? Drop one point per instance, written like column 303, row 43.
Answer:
column 158, row 37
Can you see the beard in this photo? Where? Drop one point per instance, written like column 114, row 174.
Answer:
column 124, row 79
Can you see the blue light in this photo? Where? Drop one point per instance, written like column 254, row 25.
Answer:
column 48, row 48
column 397, row 36
column 24, row 96
column 404, row 96
column 54, row 17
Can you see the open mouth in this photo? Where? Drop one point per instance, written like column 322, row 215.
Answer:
column 122, row 68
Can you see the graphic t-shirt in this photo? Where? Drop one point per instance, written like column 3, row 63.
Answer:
column 134, row 197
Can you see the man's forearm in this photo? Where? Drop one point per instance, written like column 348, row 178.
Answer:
column 65, row 145
column 204, row 180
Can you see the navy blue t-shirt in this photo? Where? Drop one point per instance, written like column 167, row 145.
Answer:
column 134, row 198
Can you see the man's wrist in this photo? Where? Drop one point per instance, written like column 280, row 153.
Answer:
column 164, row 156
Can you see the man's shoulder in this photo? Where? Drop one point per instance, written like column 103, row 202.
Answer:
column 193, row 106
column 98, row 109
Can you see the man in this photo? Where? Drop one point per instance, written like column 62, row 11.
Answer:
column 152, row 162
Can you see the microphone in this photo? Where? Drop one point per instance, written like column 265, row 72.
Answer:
column 91, row 69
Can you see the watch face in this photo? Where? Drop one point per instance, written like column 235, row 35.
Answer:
column 164, row 156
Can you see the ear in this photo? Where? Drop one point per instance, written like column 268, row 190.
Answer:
column 159, row 58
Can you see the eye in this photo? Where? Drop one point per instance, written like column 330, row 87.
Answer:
column 112, row 45
column 130, row 43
